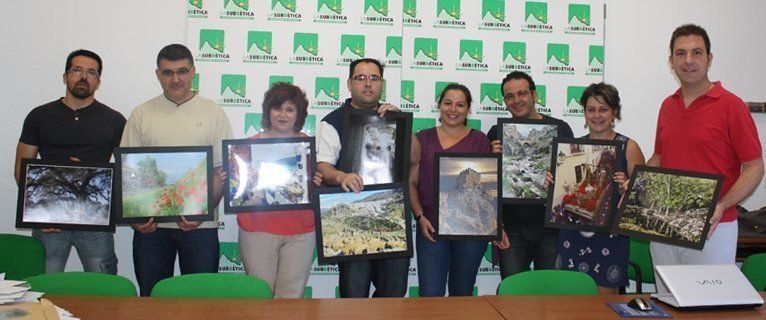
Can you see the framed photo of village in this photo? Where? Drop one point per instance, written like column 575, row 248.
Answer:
column 376, row 148
column 527, row 157
column 467, row 197
column 164, row 183
column 65, row 195
column 669, row 206
column 272, row 174
column 372, row 224
column 584, row 195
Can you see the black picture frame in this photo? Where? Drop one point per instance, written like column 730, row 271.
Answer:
column 527, row 157
column 705, row 187
column 457, row 174
column 191, row 175
column 334, row 246
column 365, row 154
column 52, row 192
column 584, row 194
column 263, row 153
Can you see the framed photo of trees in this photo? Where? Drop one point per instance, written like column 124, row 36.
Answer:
column 527, row 157
column 65, row 195
column 164, row 183
column 669, row 206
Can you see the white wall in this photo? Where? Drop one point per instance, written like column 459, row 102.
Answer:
column 37, row 36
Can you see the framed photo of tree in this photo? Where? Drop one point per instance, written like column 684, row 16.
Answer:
column 527, row 157
column 164, row 183
column 669, row 206
column 65, row 195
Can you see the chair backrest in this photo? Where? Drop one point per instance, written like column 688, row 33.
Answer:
column 23, row 256
column 754, row 269
column 212, row 285
column 640, row 261
column 83, row 283
column 548, row 282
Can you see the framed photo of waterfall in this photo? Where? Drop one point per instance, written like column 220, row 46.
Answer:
column 467, row 197
column 374, row 147
column 527, row 157
column 669, row 206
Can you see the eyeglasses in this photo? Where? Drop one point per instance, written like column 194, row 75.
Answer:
column 364, row 78
column 90, row 73
column 167, row 73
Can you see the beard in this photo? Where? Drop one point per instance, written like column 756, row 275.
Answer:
column 80, row 92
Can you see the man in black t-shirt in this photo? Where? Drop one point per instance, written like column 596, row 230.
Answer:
column 525, row 240
column 75, row 128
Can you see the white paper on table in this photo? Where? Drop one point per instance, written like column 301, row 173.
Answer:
column 13, row 290
column 10, row 283
column 30, row 296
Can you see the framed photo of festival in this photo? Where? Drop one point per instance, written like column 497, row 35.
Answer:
column 527, row 157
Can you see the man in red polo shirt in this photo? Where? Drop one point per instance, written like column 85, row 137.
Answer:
column 703, row 127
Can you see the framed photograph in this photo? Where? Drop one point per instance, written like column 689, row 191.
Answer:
column 375, row 148
column 372, row 224
column 164, row 183
column 669, row 206
column 467, row 196
column 584, row 193
column 65, row 195
column 268, row 174
column 527, row 157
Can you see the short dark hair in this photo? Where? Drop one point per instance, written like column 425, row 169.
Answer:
column 517, row 75
column 605, row 91
column 459, row 87
column 277, row 95
column 690, row 30
column 84, row 53
column 175, row 52
column 353, row 64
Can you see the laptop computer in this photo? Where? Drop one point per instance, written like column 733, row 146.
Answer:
column 704, row 286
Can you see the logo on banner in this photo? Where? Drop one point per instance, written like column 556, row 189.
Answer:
column 376, row 13
column 558, row 59
column 536, row 17
column 237, row 9
column 393, row 52
column 491, row 99
column 515, row 57
column 486, row 267
column 579, row 19
column 419, row 124
column 211, row 46
column 438, row 88
column 541, row 103
column 234, row 91
column 229, row 259
column 574, row 108
column 408, row 96
column 326, row 93
column 259, row 48
column 330, row 11
column 384, row 91
column 410, row 14
column 195, row 83
column 351, row 48
column 426, row 54
column 493, row 15
column 471, row 56
column 284, row 10
column 448, row 15
column 306, row 49
column 196, row 9
column 275, row 79
column 595, row 61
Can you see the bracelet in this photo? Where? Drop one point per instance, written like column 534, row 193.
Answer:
column 417, row 217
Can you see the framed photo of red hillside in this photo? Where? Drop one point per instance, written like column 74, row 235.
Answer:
column 164, row 183
column 467, row 194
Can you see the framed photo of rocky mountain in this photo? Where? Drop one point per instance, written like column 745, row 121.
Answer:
column 527, row 157
column 584, row 195
column 268, row 174
column 372, row 224
column 164, row 183
column 376, row 148
column 669, row 206
column 65, row 195
column 467, row 196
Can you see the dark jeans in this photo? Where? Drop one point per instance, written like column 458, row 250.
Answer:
column 456, row 260
column 154, row 254
column 389, row 276
column 528, row 245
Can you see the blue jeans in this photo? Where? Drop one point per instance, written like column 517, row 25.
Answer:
column 389, row 276
column 528, row 245
column 154, row 254
column 95, row 248
column 453, row 262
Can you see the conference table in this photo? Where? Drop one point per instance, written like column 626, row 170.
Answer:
column 470, row 308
